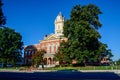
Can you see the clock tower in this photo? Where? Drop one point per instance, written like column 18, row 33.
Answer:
column 59, row 24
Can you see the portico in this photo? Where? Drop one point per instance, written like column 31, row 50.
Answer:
column 48, row 59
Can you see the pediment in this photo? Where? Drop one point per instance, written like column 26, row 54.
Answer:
column 51, row 37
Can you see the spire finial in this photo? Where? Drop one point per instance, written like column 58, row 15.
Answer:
column 60, row 13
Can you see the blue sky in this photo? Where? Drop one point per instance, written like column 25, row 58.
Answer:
column 35, row 18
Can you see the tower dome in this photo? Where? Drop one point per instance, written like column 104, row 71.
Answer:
column 59, row 24
column 59, row 18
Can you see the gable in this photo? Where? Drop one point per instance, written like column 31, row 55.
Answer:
column 51, row 37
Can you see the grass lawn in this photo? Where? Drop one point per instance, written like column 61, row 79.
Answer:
column 69, row 68
column 10, row 68
column 85, row 68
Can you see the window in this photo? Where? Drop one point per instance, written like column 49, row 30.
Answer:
column 58, row 32
column 32, row 52
column 29, row 53
column 58, row 27
column 57, row 45
column 48, row 48
column 52, row 48
column 25, row 53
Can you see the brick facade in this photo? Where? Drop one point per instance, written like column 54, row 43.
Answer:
column 50, row 44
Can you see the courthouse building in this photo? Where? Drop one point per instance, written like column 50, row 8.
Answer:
column 50, row 44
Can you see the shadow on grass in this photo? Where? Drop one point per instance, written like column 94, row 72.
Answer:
column 69, row 74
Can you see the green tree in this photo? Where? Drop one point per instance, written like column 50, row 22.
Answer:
column 11, row 45
column 63, row 55
column 2, row 17
column 83, row 37
column 118, row 62
column 37, row 58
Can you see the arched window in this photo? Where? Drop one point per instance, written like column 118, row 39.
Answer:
column 52, row 48
column 57, row 45
column 29, row 53
column 25, row 53
column 48, row 48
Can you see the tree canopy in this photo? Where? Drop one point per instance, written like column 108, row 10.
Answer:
column 81, row 29
column 118, row 62
column 2, row 17
column 11, row 45
column 37, row 58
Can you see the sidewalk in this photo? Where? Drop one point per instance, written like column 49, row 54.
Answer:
column 115, row 71
column 31, row 71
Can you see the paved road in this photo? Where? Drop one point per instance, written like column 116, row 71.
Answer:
column 59, row 75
